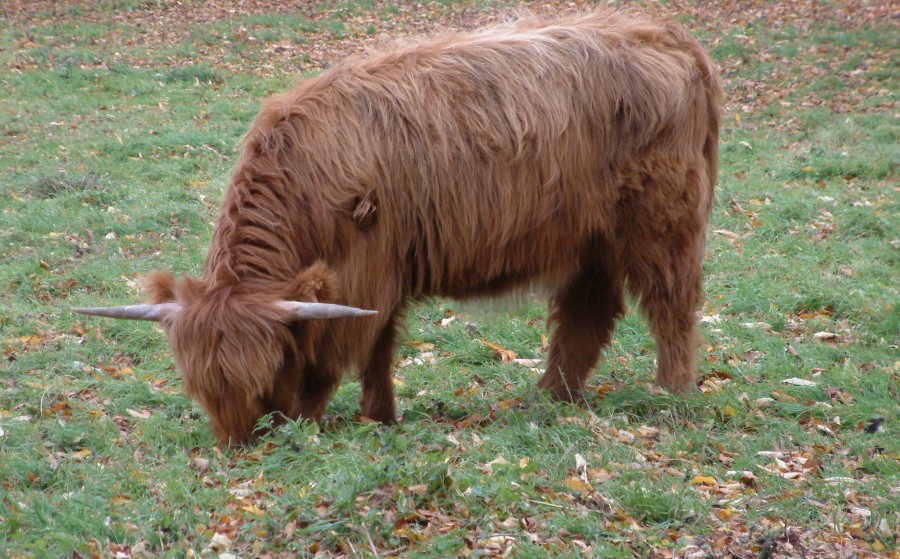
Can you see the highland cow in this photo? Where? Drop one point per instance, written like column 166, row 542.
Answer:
column 579, row 155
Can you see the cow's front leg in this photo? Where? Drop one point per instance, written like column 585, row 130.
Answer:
column 316, row 389
column 376, row 401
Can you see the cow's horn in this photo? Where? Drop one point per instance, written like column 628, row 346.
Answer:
column 305, row 311
column 132, row 312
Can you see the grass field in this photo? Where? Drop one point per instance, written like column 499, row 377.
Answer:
column 119, row 123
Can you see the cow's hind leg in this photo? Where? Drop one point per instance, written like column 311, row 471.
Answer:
column 584, row 313
column 663, row 263
column 670, row 311
column 376, row 399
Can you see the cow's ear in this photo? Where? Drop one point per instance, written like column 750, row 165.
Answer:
column 315, row 284
column 160, row 287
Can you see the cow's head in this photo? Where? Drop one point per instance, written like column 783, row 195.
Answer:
column 237, row 346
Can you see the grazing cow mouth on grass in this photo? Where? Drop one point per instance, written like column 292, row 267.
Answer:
column 579, row 154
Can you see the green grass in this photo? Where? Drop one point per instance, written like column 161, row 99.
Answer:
column 113, row 167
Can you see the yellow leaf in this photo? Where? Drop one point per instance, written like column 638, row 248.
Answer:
column 252, row 509
column 578, row 485
column 729, row 411
column 705, row 480
column 726, row 514
column 408, row 535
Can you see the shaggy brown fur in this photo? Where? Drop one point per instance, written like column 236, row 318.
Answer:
column 580, row 154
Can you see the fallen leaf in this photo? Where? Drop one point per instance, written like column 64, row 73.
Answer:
column 488, row 468
column 138, row 414
column 581, row 467
column 501, row 353
column 408, row 535
column 578, row 485
column 648, row 431
column 799, row 382
column 705, row 480
column 526, row 362
column 81, row 454
column 826, row 336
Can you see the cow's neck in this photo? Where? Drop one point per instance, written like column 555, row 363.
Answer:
column 262, row 238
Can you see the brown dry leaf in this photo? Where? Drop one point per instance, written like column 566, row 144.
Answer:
column 726, row 233
column 501, row 353
column 509, row 403
column 578, row 486
column 488, row 468
column 826, row 337
column 526, row 362
column 143, row 414
column 81, row 454
column 648, row 432
column 408, row 535
column 602, row 389
column 839, row 394
column 475, row 419
column 726, row 514
column 599, row 475
column 545, row 344
column 58, row 408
